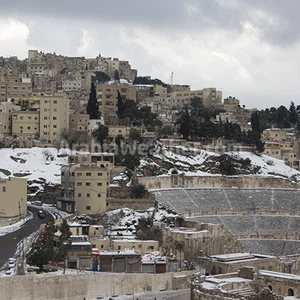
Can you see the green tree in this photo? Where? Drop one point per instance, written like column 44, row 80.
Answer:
column 39, row 258
column 184, row 123
column 101, row 134
column 138, row 191
column 101, row 77
column 93, row 105
column 135, row 135
column 293, row 115
column 121, row 108
column 116, row 75
column 166, row 130
column 60, row 251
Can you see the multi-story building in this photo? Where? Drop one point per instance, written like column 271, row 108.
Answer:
column 6, row 109
column 107, row 96
column 210, row 97
column 73, row 84
column 25, row 124
column 282, row 144
column 15, row 87
column 78, row 121
column 13, row 197
column 85, row 188
column 54, row 116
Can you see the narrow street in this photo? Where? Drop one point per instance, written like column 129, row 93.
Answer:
column 9, row 241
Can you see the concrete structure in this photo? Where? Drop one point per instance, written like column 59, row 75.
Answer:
column 54, row 116
column 142, row 246
column 15, row 87
column 184, row 181
column 107, row 96
column 90, row 286
column 207, row 239
column 13, row 198
column 85, row 189
column 78, row 121
column 282, row 144
column 6, row 109
column 25, row 124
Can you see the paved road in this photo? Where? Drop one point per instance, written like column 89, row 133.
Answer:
column 9, row 242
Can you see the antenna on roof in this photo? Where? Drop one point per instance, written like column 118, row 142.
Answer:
column 172, row 78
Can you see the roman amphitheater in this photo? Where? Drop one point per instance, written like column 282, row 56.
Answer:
column 265, row 221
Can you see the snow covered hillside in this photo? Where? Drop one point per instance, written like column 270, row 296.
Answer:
column 195, row 162
column 37, row 165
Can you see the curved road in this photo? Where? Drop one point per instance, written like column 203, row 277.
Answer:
column 8, row 242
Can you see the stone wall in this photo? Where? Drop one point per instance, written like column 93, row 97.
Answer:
column 207, row 239
column 183, row 181
column 87, row 286
column 135, row 204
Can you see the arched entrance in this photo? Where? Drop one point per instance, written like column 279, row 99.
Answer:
column 290, row 292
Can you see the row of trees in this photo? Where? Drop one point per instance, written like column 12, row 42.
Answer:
column 47, row 249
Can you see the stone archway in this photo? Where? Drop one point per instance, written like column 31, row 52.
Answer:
column 290, row 292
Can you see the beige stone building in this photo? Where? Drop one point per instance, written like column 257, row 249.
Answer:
column 107, row 96
column 138, row 245
column 210, row 97
column 282, row 144
column 54, row 116
column 25, row 124
column 78, row 121
column 15, row 87
column 6, row 109
column 13, row 197
column 115, row 130
column 85, row 189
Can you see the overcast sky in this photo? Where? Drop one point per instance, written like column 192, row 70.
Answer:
column 246, row 48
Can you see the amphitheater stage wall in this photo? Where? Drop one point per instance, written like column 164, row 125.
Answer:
column 243, row 182
column 88, row 286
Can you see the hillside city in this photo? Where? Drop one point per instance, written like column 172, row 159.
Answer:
column 153, row 189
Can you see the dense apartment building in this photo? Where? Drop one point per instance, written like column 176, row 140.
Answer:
column 6, row 109
column 15, row 87
column 25, row 124
column 13, row 197
column 180, row 97
column 282, row 144
column 79, row 121
column 54, row 116
column 85, row 188
column 107, row 95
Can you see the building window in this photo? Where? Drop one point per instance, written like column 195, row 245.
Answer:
column 88, row 208
column 88, row 184
column 99, row 174
column 55, row 101
column 88, row 195
column 99, row 183
column 79, row 183
column 99, row 195
column 79, row 195
column 79, row 174
column 54, row 118
column 4, row 189
column 88, row 174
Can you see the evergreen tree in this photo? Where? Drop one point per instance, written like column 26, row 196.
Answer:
column 121, row 108
column 184, row 122
column 101, row 134
column 116, row 75
column 293, row 115
column 39, row 258
column 93, row 105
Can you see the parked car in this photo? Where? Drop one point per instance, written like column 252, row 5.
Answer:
column 41, row 214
